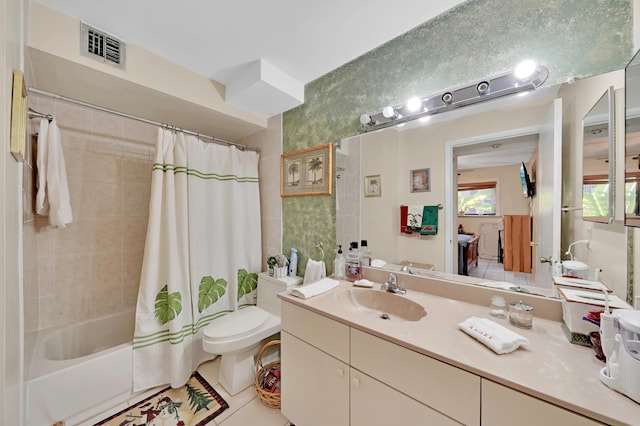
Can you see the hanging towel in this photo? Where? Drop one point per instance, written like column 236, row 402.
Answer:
column 42, row 204
column 52, row 197
column 404, row 211
column 414, row 218
column 314, row 271
column 500, row 339
column 429, row 220
column 314, row 289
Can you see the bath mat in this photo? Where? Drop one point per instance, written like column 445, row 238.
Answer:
column 194, row 404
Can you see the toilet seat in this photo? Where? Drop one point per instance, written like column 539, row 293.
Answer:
column 236, row 325
column 239, row 330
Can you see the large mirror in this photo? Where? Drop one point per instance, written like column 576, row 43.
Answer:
column 598, row 161
column 632, row 142
column 452, row 146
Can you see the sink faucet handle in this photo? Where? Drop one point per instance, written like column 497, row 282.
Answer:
column 393, row 279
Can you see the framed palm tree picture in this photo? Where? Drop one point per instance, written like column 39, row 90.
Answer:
column 308, row 171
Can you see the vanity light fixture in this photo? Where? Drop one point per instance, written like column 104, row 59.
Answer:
column 525, row 77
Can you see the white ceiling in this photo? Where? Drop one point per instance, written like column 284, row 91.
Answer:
column 302, row 40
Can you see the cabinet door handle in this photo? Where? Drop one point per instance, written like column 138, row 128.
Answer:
column 340, row 372
column 355, row 381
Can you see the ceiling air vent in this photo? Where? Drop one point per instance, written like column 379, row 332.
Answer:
column 99, row 45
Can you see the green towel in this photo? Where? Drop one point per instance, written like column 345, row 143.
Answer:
column 429, row 220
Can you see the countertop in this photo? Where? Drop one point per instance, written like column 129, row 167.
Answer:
column 549, row 368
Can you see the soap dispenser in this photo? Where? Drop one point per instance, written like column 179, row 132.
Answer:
column 339, row 265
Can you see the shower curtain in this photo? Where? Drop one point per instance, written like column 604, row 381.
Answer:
column 202, row 252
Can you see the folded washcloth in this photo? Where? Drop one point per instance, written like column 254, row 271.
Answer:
column 313, row 289
column 314, row 271
column 500, row 339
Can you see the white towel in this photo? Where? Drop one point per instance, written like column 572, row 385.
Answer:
column 53, row 187
column 314, row 289
column 500, row 339
column 42, row 204
column 315, row 271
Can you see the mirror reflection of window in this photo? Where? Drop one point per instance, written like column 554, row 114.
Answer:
column 477, row 199
column 598, row 159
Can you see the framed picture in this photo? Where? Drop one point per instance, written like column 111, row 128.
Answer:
column 308, row 171
column 420, row 180
column 372, row 186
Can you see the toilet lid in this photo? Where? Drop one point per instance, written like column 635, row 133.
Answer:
column 236, row 324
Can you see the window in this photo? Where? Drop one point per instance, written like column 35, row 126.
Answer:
column 477, row 199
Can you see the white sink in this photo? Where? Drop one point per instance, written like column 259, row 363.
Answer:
column 386, row 305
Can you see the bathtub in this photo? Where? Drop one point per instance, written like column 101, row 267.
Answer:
column 79, row 367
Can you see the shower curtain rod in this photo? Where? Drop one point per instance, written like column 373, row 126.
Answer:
column 144, row 120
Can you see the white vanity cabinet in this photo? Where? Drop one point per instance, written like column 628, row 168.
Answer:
column 335, row 375
column 502, row 406
column 314, row 360
column 446, row 391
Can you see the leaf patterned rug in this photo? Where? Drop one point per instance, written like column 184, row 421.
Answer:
column 194, row 404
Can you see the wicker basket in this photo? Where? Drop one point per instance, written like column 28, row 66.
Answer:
column 270, row 399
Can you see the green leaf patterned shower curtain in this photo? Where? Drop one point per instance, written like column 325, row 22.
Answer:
column 203, row 246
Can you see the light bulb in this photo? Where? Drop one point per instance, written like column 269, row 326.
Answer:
column 367, row 120
column 525, row 69
column 414, row 104
column 389, row 112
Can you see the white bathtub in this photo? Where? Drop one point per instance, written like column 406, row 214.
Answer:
column 79, row 367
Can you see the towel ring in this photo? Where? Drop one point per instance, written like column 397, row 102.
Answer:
column 317, row 247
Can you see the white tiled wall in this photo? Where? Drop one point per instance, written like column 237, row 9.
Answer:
column 92, row 266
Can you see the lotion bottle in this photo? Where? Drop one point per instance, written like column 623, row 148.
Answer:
column 339, row 265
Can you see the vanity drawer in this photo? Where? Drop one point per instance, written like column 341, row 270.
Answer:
column 447, row 389
column 325, row 334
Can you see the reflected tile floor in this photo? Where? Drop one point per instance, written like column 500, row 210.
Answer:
column 245, row 408
column 494, row 271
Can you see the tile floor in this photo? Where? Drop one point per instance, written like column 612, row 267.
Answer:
column 245, row 408
column 494, row 271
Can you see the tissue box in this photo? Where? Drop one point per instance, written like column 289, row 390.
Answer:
column 577, row 303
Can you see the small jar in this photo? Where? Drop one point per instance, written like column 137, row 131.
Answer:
column 521, row 314
column 498, row 307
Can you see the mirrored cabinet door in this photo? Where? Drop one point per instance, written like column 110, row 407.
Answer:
column 598, row 161
column 632, row 142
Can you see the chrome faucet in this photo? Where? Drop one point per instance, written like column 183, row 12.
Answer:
column 406, row 267
column 391, row 285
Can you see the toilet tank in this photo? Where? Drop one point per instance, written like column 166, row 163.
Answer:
column 268, row 289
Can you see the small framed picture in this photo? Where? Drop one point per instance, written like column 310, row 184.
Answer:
column 372, row 186
column 420, row 180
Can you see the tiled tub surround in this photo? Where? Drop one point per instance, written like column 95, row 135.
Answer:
column 550, row 369
column 91, row 267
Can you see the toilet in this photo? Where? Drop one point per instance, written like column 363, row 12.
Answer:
column 238, row 336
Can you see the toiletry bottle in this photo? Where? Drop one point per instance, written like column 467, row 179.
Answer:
column 353, row 263
column 339, row 265
column 293, row 263
column 365, row 253
column 557, row 269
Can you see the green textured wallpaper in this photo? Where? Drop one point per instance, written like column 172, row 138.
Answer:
column 477, row 39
